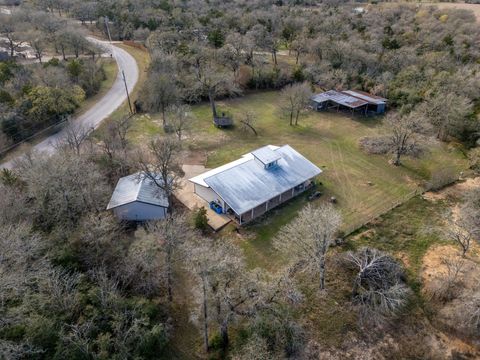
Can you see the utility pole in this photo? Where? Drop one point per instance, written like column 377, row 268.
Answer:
column 123, row 72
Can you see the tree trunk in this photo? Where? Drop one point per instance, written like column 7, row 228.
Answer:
column 164, row 118
column 275, row 57
column 224, row 334
column 212, row 104
column 12, row 48
column 205, row 316
column 296, row 117
column 396, row 161
column 356, row 284
column 322, row 272
column 291, row 118
column 169, row 274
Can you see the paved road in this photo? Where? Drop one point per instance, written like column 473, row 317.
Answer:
column 104, row 107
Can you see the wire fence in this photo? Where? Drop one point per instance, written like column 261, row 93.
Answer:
column 378, row 210
column 445, row 177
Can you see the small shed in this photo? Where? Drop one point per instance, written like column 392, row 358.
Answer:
column 137, row 198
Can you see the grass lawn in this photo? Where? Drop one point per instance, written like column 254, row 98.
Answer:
column 364, row 185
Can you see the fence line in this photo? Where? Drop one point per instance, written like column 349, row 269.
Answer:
column 382, row 211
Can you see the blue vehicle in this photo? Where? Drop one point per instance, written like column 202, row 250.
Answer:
column 215, row 207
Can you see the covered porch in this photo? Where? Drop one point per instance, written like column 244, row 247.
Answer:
column 261, row 209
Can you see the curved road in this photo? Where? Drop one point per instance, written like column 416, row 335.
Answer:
column 104, row 107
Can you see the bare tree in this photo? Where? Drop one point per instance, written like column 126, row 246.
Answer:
column 171, row 233
column 201, row 262
column 231, row 57
column 227, row 290
column 211, row 79
column 471, row 314
column 62, row 187
column 161, row 164
column 307, row 238
column 113, row 137
column 444, row 287
column 248, row 122
column 144, row 266
column 38, row 44
column 379, row 287
column 461, row 231
column 299, row 46
column 75, row 137
column 10, row 29
column 402, row 129
column 294, row 99
column 180, row 119
column 447, row 113
column 159, row 93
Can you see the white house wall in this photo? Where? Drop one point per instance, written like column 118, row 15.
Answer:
column 208, row 195
column 138, row 211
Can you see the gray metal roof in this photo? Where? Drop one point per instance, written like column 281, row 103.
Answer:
column 372, row 99
column 339, row 98
column 266, row 155
column 249, row 184
column 137, row 187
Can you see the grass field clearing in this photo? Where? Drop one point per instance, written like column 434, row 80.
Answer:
column 363, row 184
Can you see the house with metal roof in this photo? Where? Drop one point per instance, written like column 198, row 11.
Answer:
column 248, row 187
column 137, row 198
column 352, row 100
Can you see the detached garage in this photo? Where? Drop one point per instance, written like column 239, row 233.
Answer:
column 138, row 198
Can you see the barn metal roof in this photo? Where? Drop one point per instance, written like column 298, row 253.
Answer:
column 248, row 184
column 340, row 98
column 137, row 187
column 266, row 155
column 372, row 99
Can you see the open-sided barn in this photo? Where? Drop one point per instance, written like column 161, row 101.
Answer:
column 353, row 100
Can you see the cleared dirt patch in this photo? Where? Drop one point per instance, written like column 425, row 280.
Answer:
column 448, row 314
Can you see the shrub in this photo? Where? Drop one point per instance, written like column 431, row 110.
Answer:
column 200, row 219
column 380, row 145
column 441, row 178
